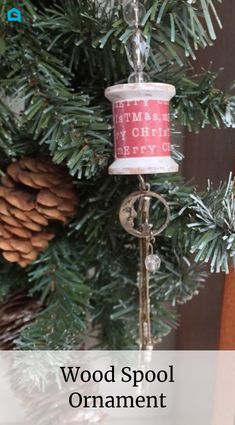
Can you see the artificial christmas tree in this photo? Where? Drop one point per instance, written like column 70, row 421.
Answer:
column 58, row 62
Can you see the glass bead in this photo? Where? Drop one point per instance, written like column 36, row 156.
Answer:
column 139, row 77
column 134, row 13
column 137, row 50
column 152, row 263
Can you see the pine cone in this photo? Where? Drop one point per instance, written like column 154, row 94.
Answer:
column 33, row 192
column 16, row 311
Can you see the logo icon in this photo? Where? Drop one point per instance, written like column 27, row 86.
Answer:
column 14, row 15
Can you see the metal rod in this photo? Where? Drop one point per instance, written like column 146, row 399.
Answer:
column 145, row 231
column 144, row 314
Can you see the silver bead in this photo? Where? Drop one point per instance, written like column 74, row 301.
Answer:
column 152, row 263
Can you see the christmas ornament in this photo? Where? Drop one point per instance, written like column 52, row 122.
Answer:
column 141, row 124
column 17, row 311
column 140, row 110
column 141, row 128
column 33, row 192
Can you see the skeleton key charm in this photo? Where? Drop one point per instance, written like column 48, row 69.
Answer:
column 136, row 221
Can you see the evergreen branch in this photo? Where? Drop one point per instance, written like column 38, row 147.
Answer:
column 12, row 279
column 179, row 278
column 169, row 24
column 115, row 301
column 8, row 132
column 111, row 292
column 189, row 25
column 213, row 231
column 73, row 131
column 59, row 66
column 198, row 102
column 57, row 277
column 65, row 120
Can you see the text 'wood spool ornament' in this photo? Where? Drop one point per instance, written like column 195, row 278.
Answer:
column 33, row 192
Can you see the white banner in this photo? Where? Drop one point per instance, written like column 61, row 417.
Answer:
column 119, row 388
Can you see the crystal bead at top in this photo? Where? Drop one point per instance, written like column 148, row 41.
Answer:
column 134, row 13
column 137, row 49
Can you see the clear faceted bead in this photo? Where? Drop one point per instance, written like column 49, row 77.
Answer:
column 152, row 263
column 134, row 13
column 137, row 49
